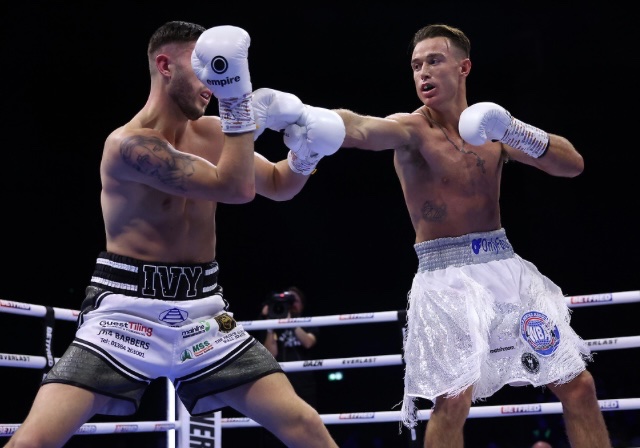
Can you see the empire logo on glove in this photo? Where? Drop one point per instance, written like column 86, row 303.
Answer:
column 219, row 65
column 223, row 82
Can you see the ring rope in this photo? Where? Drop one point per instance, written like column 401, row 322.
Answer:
column 107, row 428
column 601, row 344
column 509, row 410
column 611, row 298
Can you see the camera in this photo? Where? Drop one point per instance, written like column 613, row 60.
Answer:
column 279, row 305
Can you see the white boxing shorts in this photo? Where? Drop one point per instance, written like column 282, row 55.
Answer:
column 142, row 320
column 480, row 316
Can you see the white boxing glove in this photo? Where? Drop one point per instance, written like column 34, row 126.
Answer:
column 275, row 110
column 319, row 132
column 488, row 121
column 220, row 61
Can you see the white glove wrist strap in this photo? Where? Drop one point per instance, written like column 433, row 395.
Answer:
column 236, row 114
column 526, row 138
column 299, row 165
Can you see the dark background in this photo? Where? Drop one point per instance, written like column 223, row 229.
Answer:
column 73, row 73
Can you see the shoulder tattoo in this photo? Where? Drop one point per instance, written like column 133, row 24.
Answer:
column 155, row 157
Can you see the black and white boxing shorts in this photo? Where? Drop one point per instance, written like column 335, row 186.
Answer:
column 141, row 320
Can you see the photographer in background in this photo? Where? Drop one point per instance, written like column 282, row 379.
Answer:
column 290, row 344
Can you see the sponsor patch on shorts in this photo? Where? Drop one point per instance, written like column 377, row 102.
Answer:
column 538, row 331
column 500, row 347
column 226, row 323
column 530, row 362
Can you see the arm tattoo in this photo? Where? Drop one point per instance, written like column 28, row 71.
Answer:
column 157, row 158
column 431, row 212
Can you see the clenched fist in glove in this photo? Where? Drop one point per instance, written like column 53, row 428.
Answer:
column 220, row 61
column 317, row 133
column 488, row 121
column 275, row 110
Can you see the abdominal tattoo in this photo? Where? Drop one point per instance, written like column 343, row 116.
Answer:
column 431, row 212
column 155, row 157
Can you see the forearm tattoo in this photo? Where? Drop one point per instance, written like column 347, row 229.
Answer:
column 156, row 157
column 431, row 212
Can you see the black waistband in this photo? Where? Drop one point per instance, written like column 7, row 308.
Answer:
column 139, row 278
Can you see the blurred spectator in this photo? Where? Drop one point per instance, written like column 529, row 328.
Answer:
column 290, row 344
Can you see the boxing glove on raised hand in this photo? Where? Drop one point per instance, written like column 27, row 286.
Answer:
column 275, row 110
column 220, row 61
column 318, row 132
column 488, row 121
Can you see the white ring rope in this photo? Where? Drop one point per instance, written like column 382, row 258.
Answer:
column 39, row 362
column 29, row 309
column 107, row 428
column 610, row 298
column 510, row 410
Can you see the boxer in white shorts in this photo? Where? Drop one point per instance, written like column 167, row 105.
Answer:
column 481, row 316
column 143, row 320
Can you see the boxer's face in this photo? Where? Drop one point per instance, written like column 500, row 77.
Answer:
column 437, row 67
